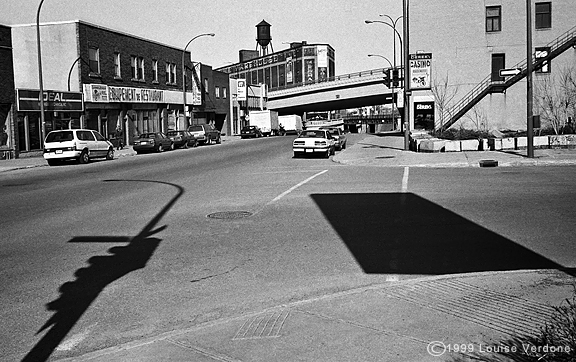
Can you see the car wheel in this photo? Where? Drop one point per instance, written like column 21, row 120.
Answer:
column 110, row 154
column 296, row 155
column 159, row 148
column 185, row 145
column 172, row 147
column 84, row 157
column 343, row 146
column 218, row 140
column 208, row 140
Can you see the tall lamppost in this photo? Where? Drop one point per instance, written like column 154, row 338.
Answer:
column 394, row 105
column 395, row 33
column 184, row 73
column 40, row 82
column 381, row 56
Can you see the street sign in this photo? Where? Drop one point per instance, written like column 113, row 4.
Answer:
column 509, row 72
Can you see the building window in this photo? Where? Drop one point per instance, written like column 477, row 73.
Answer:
column 133, row 65
column 167, row 73
column 94, row 56
column 217, row 92
column 117, row 72
column 543, row 15
column 224, row 93
column 493, row 18
column 155, row 71
column 173, row 73
column 140, row 68
column 543, row 53
column 205, row 85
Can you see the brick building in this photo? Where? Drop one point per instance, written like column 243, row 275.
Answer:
column 127, row 83
column 6, row 91
column 471, row 40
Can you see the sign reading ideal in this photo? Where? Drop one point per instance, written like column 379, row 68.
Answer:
column 29, row 101
column 420, row 75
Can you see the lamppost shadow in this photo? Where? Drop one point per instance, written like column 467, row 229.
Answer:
column 77, row 296
column 402, row 233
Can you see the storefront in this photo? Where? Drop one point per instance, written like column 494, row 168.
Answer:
column 424, row 115
column 61, row 110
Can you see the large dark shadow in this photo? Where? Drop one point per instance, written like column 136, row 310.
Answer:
column 402, row 233
column 76, row 296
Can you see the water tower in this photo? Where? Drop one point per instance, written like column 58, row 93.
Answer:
column 263, row 38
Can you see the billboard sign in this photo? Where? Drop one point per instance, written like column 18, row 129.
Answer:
column 420, row 75
column 28, row 100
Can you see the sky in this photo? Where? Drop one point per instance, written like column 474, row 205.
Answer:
column 338, row 23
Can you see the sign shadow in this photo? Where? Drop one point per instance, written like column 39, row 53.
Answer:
column 402, row 233
column 77, row 296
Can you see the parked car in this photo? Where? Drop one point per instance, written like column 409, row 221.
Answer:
column 76, row 144
column 152, row 141
column 314, row 142
column 250, row 132
column 182, row 139
column 338, row 135
column 205, row 133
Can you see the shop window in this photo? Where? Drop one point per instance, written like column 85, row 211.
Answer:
column 543, row 53
column 543, row 15
column 94, row 60
column 117, row 72
column 493, row 19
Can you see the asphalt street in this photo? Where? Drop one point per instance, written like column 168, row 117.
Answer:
column 101, row 254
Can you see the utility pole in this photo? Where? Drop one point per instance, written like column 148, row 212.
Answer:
column 405, row 5
column 529, row 90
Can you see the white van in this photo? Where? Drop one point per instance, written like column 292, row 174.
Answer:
column 76, row 144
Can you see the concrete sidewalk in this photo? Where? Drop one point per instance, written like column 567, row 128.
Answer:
column 421, row 319
column 39, row 161
column 388, row 151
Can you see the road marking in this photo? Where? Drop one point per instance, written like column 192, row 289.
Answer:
column 405, row 179
column 295, row 187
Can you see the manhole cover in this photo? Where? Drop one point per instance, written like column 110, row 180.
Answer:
column 229, row 215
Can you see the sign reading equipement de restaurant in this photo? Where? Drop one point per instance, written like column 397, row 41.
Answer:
column 420, row 75
column 28, row 100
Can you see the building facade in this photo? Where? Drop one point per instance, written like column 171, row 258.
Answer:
column 473, row 46
column 301, row 63
column 129, row 85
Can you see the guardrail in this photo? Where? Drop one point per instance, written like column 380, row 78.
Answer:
column 351, row 78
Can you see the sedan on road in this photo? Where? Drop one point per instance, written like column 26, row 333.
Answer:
column 182, row 139
column 250, row 132
column 153, row 142
column 318, row 141
column 339, row 137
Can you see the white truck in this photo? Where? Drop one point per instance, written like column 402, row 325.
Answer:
column 292, row 123
column 267, row 121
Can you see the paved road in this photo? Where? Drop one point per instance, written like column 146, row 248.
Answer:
column 100, row 254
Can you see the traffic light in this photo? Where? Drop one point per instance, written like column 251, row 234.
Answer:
column 395, row 77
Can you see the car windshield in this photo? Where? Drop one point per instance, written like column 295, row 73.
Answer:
column 195, row 128
column 147, row 135
column 312, row 134
column 60, row 136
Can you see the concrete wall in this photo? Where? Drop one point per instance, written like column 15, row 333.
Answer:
column 455, row 33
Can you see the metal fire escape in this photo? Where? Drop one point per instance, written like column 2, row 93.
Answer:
column 487, row 86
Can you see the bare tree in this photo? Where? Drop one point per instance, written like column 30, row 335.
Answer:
column 555, row 97
column 477, row 115
column 444, row 93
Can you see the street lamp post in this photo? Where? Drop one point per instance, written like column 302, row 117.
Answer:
column 184, row 73
column 40, row 82
column 396, row 33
